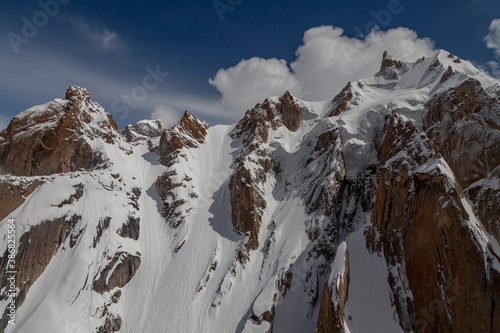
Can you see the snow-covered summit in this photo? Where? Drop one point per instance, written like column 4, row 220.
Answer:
column 347, row 215
column 59, row 136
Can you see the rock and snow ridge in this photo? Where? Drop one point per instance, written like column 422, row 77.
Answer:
column 375, row 211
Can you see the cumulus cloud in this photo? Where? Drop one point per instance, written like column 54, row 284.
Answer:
column 168, row 115
column 492, row 39
column 251, row 79
column 107, row 40
column 494, row 68
column 324, row 63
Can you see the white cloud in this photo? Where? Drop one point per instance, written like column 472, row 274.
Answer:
column 325, row 62
column 107, row 40
column 492, row 39
column 244, row 84
column 494, row 68
column 168, row 116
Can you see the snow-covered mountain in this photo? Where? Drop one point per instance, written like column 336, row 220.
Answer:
column 375, row 211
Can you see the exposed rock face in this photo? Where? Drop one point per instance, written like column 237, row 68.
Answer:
column 73, row 197
column 190, row 133
column 419, row 225
column 101, row 227
column 247, row 204
column 120, row 270
column 143, row 130
column 48, row 139
column 326, row 166
column 172, row 203
column 341, row 101
column 111, row 325
column 36, row 249
column 465, row 124
column 389, row 68
column 335, row 293
column 302, row 182
column 449, row 73
column 14, row 192
column 253, row 164
column 324, row 172
column 486, row 196
column 131, row 228
column 290, row 111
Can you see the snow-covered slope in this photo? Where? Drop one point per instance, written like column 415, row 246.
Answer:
column 302, row 217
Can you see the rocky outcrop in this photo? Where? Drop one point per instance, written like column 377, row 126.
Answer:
column 117, row 273
column 341, row 101
column 110, row 325
column 485, row 195
column 465, row 124
column 49, row 138
column 325, row 170
column 251, row 168
column 430, row 242
column 143, row 130
column 446, row 75
column 323, row 176
column 166, row 185
column 389, row 68
column 335, row 294
column 248, row 203
column 148, row 131
column 101, row 227
column 13, row 193
column 35, row 250
column 289, row 110
column 190, row 133
column 131, row 228
column 253, row 164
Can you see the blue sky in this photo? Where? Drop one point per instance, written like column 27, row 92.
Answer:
column 259, row 48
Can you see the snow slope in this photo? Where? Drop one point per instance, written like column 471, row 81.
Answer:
column 190, row 278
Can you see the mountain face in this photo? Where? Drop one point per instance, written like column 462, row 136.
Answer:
column 375, row 211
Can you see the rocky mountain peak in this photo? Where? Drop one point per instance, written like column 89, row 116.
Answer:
column 387, row 62
column 341, row 101
column 77, row 93
column 385, row 197
column 389, row 68
column 143, row 130
column 193, row 127
column 54, row 137
column 290, row 111
column 190, row 133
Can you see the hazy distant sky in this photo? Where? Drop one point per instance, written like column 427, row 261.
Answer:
column 247, row 49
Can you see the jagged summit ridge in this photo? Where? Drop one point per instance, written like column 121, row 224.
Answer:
column 303, row 216
column 56, row 137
